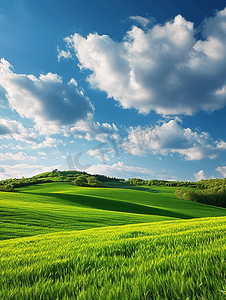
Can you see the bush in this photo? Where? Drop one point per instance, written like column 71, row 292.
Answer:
column 98, row 184
column 9, row 188
column 79, row 182
column 91, row 179
column 180, row 193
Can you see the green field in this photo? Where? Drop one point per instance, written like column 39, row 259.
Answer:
column 151, row 244
column 54, row 207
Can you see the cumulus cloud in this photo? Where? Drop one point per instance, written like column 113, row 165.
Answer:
column 46, row 100
column 171, row 137
column 165, row 69
column 200, row 175
column 55, row 107
column 222, row 170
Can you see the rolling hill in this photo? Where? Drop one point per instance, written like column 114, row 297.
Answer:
column 61, row 241
column 52, row 207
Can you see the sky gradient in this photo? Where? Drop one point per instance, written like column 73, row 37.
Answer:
column 121, row 88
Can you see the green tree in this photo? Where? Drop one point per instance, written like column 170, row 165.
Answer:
column 9, row 187
column 91, row 180
column 79, row 182
column 180, row 193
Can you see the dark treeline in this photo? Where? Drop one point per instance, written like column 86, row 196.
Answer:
column 138, row 181
column 213, row 192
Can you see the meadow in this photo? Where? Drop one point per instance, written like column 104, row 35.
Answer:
column 53, row 207
column 166, row 260
column 60, row 241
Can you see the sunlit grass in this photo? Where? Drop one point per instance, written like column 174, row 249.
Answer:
column 163, row 260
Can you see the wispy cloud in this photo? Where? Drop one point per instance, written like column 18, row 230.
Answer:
column 119, row 169
column 20, row 156
column 24, row 169
column 141, row 20
column 63, row 54
column 48, row 142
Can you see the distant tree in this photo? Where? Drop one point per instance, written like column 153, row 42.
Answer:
column 82, row 177
column 98, row 184
column 79, row 182
column 9, row 188
column 180, row 193
column 91, row 180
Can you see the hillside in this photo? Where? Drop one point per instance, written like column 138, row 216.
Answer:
column 51, row 207
column 123, row 240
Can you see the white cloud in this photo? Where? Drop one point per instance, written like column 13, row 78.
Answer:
column 222, row 170
column 221, row 145
column 200, row 175
column 165, row 68
column 20, row 156
column 171, row 137
column 46, row 100
column 120, row 170
column 64, row 54
column 26, row 170
column 48, row 142
column 13, row 129
column 3, row 100
column 42, row 153
column 90, row 130
column 52, row 105
column 141, row 20
column 100, row 153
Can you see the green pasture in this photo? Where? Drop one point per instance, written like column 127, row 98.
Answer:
column 183, row 260
column 53, row 207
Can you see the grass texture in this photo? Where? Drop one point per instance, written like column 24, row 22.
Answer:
column 163, row 260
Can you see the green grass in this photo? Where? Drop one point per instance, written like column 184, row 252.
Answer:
column 54, row 207
column 53, row 247
column 164, row 260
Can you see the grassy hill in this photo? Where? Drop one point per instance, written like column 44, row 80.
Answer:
column 152, row 245
column 52, row 207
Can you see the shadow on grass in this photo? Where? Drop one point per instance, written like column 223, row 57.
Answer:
column 114, row 205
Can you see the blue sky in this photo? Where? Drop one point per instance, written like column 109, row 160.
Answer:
column 121, row 88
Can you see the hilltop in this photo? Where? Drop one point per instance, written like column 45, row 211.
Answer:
column 72, row 175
